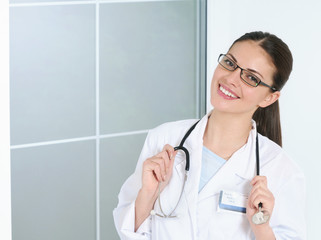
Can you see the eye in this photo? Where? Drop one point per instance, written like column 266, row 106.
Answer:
column 229, row 63
column 251, row 78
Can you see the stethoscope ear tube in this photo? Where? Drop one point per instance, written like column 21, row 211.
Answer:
column 257, row 156
column 186, row 155
column 181, row 147
column 259, row 217
column 258, row 160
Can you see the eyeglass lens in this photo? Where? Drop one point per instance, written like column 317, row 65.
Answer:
column 246, row 75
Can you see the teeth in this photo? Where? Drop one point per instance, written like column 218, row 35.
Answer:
column 227, row 93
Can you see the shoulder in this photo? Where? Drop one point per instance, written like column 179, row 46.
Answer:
column 170, row 132
column 170, row 129
column 275, row 160
column 175, row 126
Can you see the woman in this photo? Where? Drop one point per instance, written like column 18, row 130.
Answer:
column 244, row 92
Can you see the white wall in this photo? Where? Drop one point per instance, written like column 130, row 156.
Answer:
column 5, row 202
column 298, row 23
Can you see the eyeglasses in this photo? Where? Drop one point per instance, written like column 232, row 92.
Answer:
column 247, row 76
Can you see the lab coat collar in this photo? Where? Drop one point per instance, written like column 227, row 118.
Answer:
column 242, row 163
column 237, row 172
column 243, row 168
column 195, row 140
column 194, row 144
column 247, row 167
column 240, row 168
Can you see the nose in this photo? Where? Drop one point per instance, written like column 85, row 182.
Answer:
column 234, row 77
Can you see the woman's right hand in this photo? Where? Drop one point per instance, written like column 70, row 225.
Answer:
column 157, row 169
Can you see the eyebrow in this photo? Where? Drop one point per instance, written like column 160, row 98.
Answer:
column 249, row 69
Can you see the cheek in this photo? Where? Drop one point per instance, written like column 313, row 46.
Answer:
column 254, row 96
column 215, row 77
column 214, row 86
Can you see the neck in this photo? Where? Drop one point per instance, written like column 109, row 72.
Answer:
column 225, row 133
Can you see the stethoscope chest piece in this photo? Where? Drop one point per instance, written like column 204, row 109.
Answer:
column 259, row 217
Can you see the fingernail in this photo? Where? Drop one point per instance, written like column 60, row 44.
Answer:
column 164, row 178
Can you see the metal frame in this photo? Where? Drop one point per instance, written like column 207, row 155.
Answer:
column 202, row 56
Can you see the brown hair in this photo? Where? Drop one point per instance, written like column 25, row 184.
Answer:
column 268, row 119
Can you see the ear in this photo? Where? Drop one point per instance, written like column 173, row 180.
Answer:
column 270, row 99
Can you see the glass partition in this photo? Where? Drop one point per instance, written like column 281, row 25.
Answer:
column 88, row 80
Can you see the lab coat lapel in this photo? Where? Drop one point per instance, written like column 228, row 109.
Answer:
column 194, row 145
column 236, row 173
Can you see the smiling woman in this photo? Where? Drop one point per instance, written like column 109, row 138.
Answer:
column 277, row 62
column 247, row 79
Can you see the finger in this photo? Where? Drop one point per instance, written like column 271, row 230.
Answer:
column 161, row 166
column 153, row 168
column 150, row 166
column 170, row 151
column 261, row 179
column 259, row 188
column 263, row 196
column 257, row 194
column 164, row 155
column 157, row 172
column 267, row 203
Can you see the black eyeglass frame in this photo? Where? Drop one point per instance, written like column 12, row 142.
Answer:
column 242, row 69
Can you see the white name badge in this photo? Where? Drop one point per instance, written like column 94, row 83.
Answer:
column 232, row 202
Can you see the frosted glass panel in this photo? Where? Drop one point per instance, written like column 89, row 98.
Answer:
column 151, row 61
column 52, row 68
column 44, row 1
column 53, row 192
column 118, row 160
column 147, row 64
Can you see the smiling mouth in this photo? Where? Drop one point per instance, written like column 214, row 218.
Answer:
column 227, row 93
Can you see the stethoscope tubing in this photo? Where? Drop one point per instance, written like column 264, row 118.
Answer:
column 258, row 160
column 181, row 147
column 187, row 167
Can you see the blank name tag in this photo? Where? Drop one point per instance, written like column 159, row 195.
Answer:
column 232, row 202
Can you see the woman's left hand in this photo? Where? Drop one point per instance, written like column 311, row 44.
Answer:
column 259, row 194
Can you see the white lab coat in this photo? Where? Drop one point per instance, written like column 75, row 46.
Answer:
column 198, row 215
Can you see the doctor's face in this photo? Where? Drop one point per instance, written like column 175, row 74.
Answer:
column 229, row 93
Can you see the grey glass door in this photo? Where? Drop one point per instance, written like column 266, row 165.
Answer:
column 88, row 80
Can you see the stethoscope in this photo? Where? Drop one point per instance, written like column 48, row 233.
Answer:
column 258, row 218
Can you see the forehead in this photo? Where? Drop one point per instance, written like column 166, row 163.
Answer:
column 250, row 55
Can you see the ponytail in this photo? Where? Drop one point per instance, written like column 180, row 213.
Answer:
column 268, row 122
column 268, row 118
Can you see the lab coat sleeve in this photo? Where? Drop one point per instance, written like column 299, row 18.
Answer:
column 124, row 213
column 289, row 211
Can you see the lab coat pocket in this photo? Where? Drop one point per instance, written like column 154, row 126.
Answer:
column 214, row 224
column 238, row 225
column 228, row 224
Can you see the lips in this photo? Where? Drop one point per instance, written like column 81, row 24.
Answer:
column 227, row 93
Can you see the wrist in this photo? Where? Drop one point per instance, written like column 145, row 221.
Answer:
column 149, row 195
column 263, row 232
